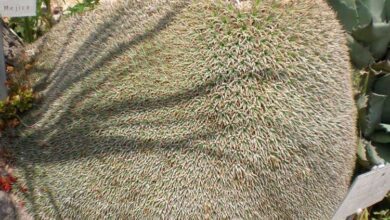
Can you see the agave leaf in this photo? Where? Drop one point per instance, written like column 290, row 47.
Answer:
column 387, row 10
column 350, row 3
column 386, row 111
column 376, row 9
column 367, row 82
column 382, row 85
column 346, row 12
column 383, row 151
column 374, row 116
column 371, row 32
column 360, row 55
column 365, row 17
column 380, row 47
column 381, row 137
column 373, row 156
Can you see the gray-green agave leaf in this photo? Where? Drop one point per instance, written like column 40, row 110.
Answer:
column 374, row 116
column 367, row 21
column 382, row 86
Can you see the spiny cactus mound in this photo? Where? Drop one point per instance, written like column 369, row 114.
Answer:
column 192, row 109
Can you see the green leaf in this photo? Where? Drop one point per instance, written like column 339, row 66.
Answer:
column 371, row 32
column 361, row 56
column 346, row 12
column 376, row 9
column 387, row 10
column 349, row 3
column 364, row 15
column 382, row 85
column 373, row 156
column 376, row 36
column 383, row 151
column 380, row 137
column 375, row 109
column 386, row 111
column 379, row 47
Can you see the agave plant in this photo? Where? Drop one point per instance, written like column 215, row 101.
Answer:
column 376, row 123
column 367, row 23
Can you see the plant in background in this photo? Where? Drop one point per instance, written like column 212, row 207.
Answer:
column 19, row 100
column 368, row 26
column 374, row 118
column 367, row 23
column 85, row 5
column 30, row 28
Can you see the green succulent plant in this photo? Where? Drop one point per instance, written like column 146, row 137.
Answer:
column 152, row 99
column 380, row 135
column 368, row 26
column 375, row 119
column 83, row 6
column 367, row 23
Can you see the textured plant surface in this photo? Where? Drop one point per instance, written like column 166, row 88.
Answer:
column 189, row 109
